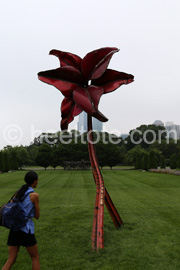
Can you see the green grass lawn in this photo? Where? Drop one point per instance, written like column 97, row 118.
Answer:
column 148, row 203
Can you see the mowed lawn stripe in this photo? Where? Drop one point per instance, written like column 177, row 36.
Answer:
column 148, row 203
column 155, row 202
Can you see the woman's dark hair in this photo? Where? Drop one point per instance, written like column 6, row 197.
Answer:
column 29, row 178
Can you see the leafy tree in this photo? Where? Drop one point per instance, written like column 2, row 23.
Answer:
column 122, row 154
column 145, row 135
column 101, row 153
column 145, row 161
column 2, row 166
column 14, row 160
column 6, row 161
column 152, row 163
column 64, row 154
column 78, row 151
column 108, row 154
column 33, row 150
column 173, row 161
column 138, row 163
column 54, row 158
column 22, row 156
column 113, row 158
column 130, row 158
column 43, row 157
column 11, row 162
column 163, row 162
column 178, row 163
column 167, row 147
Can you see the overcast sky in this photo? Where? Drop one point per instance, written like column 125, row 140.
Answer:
column 146, row 32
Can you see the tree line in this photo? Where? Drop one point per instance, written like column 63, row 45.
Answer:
column 43, row 153
column 49, row 150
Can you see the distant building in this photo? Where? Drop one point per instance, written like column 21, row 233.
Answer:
column 158, row 123
column 169, row 123
column 173, row 130
column 97, row 125
column 82, row 123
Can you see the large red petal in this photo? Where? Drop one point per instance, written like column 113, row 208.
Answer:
column 67, row 59
column 88, row 99
column 66, row 79
column 68, row 111
column 112, row 79
column 95, row 63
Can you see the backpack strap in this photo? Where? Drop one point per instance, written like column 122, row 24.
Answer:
column 14, row 196
column 25, row 195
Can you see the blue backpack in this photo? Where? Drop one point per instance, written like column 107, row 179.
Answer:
column 12, row 215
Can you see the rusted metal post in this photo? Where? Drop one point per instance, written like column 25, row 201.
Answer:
column 102, row 196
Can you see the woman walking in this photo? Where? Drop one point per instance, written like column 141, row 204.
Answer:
column 25, row 237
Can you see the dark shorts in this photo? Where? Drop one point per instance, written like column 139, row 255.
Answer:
column 20, row 238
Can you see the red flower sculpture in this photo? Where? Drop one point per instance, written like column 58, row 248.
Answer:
column 83, row 82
